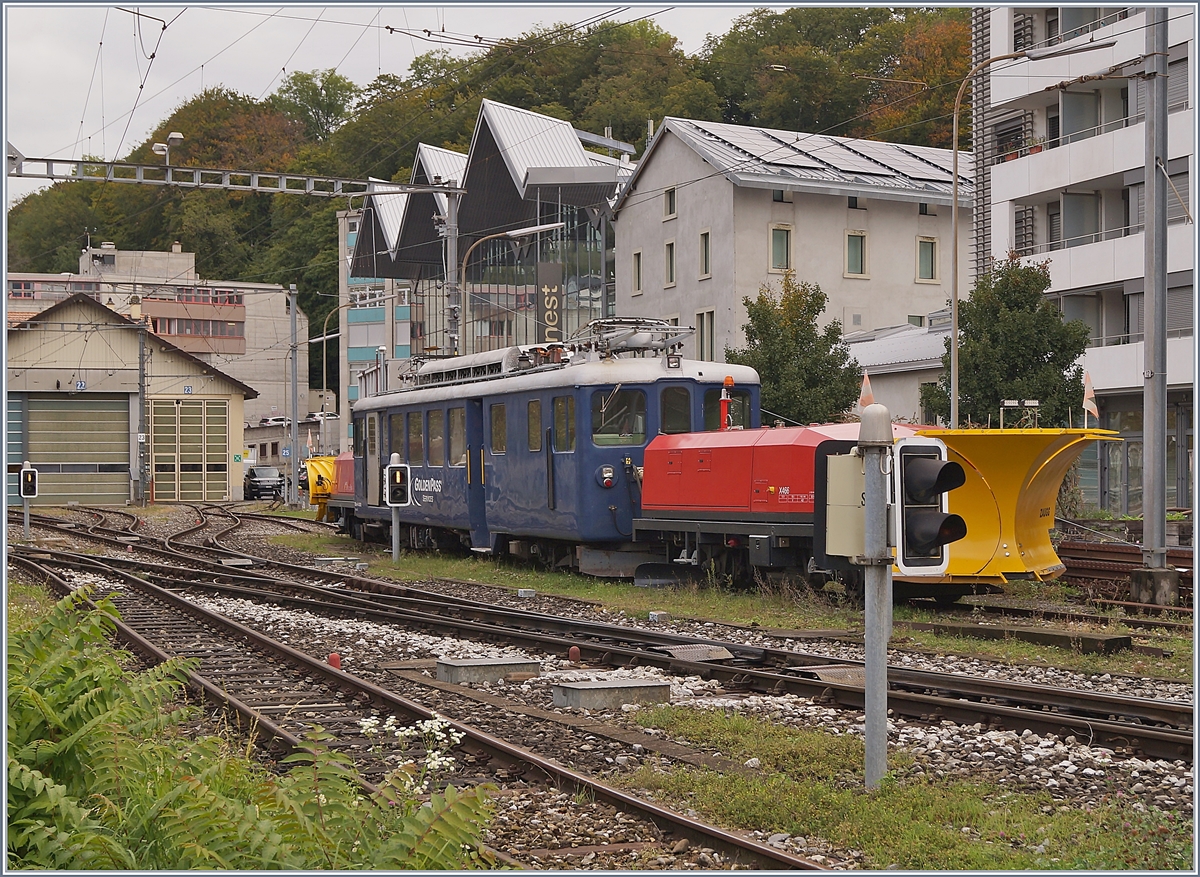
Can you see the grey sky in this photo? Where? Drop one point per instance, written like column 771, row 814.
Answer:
column 72, row 71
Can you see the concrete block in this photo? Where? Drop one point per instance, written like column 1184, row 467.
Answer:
column 610, row 694
column 659, row 617
column 526, row 592
column 463, row 671
column 1159, row 587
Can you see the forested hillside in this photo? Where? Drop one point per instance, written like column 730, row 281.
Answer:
column 885, row 74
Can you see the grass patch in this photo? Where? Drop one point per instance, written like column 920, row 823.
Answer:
column 778, row 607
column 812, row 785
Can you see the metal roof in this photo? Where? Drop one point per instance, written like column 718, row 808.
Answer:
column 771, row 158
column 527, row 139
column 389, row 210
column 901, row 348
column 438, row 162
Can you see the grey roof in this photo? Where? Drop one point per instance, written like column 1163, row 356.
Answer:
column 898, row 348
column 527, row 140
column 438, row 162
column 773, row 159
column 389, row 209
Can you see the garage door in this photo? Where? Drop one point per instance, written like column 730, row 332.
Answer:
column 189, row 449
column 80, row 445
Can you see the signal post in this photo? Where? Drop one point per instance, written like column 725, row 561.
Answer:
column 397, row 495
column 28, row 481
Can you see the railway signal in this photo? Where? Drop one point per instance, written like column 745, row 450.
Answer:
column 29, row 482
column 924, row 525
column 397, row 485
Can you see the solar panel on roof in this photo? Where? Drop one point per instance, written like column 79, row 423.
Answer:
column 844, row 159
column 758, row 144
column 911, row 166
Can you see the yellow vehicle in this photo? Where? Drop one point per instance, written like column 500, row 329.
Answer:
column 320, row 482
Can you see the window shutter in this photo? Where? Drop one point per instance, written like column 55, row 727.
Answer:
column 1177, row 84
column 1179, row 308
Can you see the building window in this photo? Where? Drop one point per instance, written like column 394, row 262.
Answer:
column 852, row 202
column 924, row 209
column 20, row 288
column 637, row 273
column 916, row 320
column 274, row 449
column 705, row 336
column 352, row 226
column 781, row 248
column 856, row 253
column 705, row 255
column 782, row 196
column 669, row 204
column 669, row 264
column 927, row 259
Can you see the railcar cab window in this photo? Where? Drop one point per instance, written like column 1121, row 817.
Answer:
column 437, row 438
column 739, row 409
column 676, row 411
column 359, row 432
column 416, row 443
column 396, row 435
column 533, row 412
column 458, row 436
column 499, row 430
column 564, row 423
column 618, row 417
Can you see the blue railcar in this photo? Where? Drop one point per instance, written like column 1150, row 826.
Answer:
column 537, row 450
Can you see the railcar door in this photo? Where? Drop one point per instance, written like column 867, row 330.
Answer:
column 373, row 464
column 476, row 475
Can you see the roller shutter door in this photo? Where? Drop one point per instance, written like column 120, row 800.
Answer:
column 16, row 443
column 189, row 450
column 80, row 445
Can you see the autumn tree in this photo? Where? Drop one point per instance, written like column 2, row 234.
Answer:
column 1013, row 344
column 807, row 373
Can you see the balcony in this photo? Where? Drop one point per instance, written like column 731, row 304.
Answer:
column 1118, row 368
column 1109, row 256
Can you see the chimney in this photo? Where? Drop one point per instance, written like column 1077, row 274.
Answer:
column 176, row 247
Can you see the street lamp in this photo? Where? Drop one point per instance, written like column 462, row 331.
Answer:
column 513, row 234
column 324, row 339
column 1032, row 55
column 164, row 149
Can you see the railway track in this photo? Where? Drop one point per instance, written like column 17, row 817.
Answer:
column 1138, row 725
column 283, row 694
column 1106, row 566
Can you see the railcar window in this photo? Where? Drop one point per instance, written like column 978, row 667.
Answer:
column 739, row 409
column 359, row 432
column 676, row 410
column 458, row 436
column 437, row 438
column 372, row 447
column 618, row 417
column 499, row 430
column 533, row 411
column 564, row 423
column 396, row 434
column 416, row 445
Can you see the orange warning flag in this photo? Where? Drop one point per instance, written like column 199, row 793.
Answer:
column 1089, row 397
column 865, row 396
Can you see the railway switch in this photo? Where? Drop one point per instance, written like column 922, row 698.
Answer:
column 923, row 477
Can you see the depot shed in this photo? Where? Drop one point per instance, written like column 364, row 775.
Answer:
column 76, row 372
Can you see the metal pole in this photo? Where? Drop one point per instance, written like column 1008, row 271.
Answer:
column 1154, row 391
column 875, row 441
column 394, row 460
column 453, row 300
column 142, row 437
column 25, row 504
column 294, row 485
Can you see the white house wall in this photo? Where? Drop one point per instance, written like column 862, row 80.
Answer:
column 739, row 220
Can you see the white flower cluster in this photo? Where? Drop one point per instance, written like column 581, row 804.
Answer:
column 435, row 733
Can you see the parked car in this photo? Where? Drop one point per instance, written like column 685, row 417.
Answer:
column 327, row 415
column 262, row 481
column 275, row 421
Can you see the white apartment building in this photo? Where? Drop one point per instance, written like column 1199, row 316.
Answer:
column 1059, row 151
column 715, row 211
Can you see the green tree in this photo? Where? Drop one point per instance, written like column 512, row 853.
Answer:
column 807, row 373
column 319, row 100
column 1013, row 344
